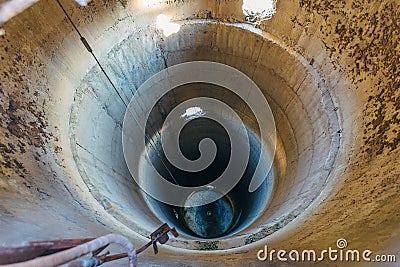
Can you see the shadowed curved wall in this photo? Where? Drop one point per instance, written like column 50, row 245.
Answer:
column 329, row 70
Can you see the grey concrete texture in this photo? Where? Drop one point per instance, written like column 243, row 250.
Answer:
column 330, row 71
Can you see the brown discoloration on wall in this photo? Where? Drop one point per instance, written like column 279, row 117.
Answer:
column 362, row 39
column 367, row 32
column 354, row 40
column 23, row 119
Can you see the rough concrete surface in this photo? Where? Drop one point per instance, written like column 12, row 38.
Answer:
column 329, row 69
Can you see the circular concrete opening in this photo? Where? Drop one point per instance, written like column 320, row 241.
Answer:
column 63, row 167
column 304, row 112
column 241, row 206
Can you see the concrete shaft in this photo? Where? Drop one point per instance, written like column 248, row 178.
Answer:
column 329, row 70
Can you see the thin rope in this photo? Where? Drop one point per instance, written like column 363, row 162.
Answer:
column 90, row 50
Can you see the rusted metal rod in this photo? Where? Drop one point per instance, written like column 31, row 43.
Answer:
column 56, row 252
column 124, row 255
column 33, row 249
column 160, row 235
column 81, row 250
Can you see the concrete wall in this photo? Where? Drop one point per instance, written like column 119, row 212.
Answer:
column 329, row 70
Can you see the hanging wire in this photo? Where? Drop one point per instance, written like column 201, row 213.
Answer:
column 86, row 44
column 90, row 50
